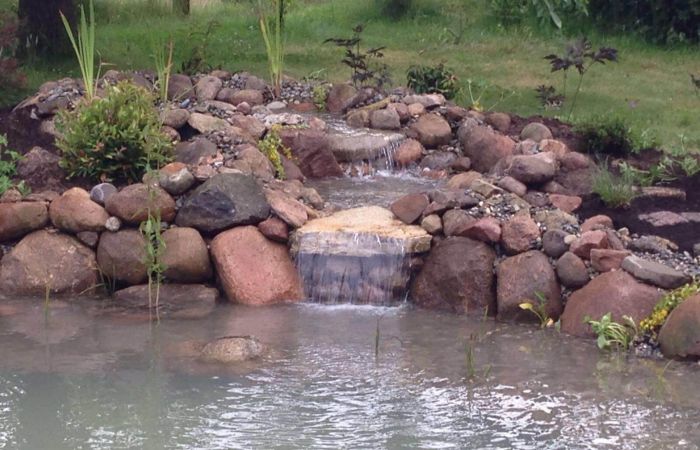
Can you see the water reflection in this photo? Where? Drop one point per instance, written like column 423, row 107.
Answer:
column 331, row 382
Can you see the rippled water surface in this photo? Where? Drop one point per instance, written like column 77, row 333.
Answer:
column 336, row 377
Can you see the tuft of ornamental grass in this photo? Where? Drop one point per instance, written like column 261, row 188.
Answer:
column 616, row 191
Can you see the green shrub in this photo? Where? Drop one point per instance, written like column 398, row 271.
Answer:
column 115, row 137
column 615, row 191
column 431, row 79
column 668, row 303
column 611, row 136
column 664, row 21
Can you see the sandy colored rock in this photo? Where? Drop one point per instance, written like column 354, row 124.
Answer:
column 132, row 204
column 75, row 212
column 186, row 256
column 18, row 219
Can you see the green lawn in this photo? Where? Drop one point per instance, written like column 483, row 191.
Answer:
column 650, row 85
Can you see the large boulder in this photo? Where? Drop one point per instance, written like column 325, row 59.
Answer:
column 340, row 98
column 385, row 119
column 533, row 169
column 175, row 301
column 458, row 277
column 483, row 146
column 614, row 292
column 680, row 335
column 18, row 219
column 232, row 349
column 121, row 256
column 254, row 270
column 75, row 212
column 48, row 260
column 527, row 277
column 224, row 201
column 133, row 204
column 186, row 257
column 432, row 130
column 311, row 152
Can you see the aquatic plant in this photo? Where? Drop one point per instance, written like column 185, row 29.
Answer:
column 613, row 335
column 539, row 309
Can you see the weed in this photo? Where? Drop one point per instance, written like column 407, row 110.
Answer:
column 579, row 54
column 8, row 169
column 320, row 94
column 433, row 79
column 613, row 335
column 163, row 60
column 615, row 191
column 474, row 339
column 474, row 101
column 366, row 70
column 539, row 309
column 272, row 30
column 661, row 172
column 84, row 49
column 549, row 97
column 688, row 163
column 155, row 247
column 271, row 146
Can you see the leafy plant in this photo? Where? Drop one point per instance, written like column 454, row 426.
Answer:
column 271, row 146
column 579, row 55
column 661, row 172
column 652, row 324
column 615, row 191
column 272, row 30
column 688, row 163
column 610, row 136
column 84, row 48
column 155, row 248
column 613, row 335
column 470, row 97
column 196, row 62
column 115, row 137
column 320, row 94
column 433, row 79
column 549, row 97
column 163, row 60
column 8, row 168
column 539, row 309
column 364, row 65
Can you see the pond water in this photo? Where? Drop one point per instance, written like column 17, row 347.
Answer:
column 75, row 376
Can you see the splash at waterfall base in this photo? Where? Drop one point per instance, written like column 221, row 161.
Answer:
column 488, row 221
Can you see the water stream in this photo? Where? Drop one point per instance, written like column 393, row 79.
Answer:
column 338, row 377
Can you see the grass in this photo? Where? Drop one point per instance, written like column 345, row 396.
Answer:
column 650, row 86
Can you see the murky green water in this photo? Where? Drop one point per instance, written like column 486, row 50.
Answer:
column 78, row 378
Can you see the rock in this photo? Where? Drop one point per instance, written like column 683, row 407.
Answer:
column 615, row 292
column 175, row 178
column 574, row 161
column 207, row 88
column 251, row 97
column 572, row 271
column 21, row 218
column 101, row 192
column 311, row 151
column 416, row 110
column 696, row 249
column 510, row 184
column 223, row 201
column 249, row 124
column 133, row 203
column 186, row 258
column 385, row 119
column 366, row 146
column 291, row 170
column 171, row 134
column 461, row 164
column 605, row 260
column 192, row 152
column 499, row 121
column 175, row 118
column 463, row 180
column 654, row 273
column 121, row 256
column 535, row 131
column 409, row 152
column 254, row 270
column 179, row 87
column 40, row 170
column 410, row 207
column 523, row 278
column 44, row 260
column 486, row 229
column 680, row 335
column 204, row 123
column 652, row 244
column 401, row 109
column 455, row 221
column 483, row 146
column 483, row 187
column 457, row 277
column 113, row 224
column 663, row 218
column 232, row 349
column 75, row 212
column 432, row 130
column 253, row 82
column 519, row 234
column 588, row 241
column 432, row 224
column 438, row 161
column 274, row 229
column 340, row 98
column 176, row 301
column 567, row 203
column 358, row 118
column 287, row 208
column 11, row 195
column 89, row 238
column 553, row 243
column 555, row 219
column 255, row 163
column 599, row 222
column 533, row 169
column 427, row 100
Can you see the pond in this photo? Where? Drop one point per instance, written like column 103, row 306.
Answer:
column 77, row 375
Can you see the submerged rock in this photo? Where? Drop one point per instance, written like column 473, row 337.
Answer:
column 175, row 301
column 232, row 349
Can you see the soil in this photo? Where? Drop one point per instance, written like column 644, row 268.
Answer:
column 685, row 235
column 23, row 132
